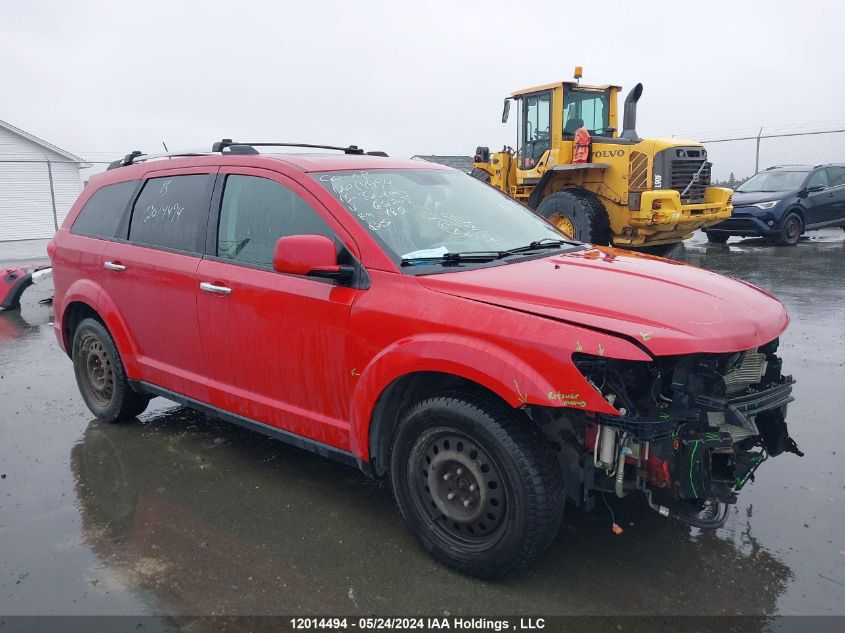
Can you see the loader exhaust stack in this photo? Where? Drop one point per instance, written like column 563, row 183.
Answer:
column 629, row 121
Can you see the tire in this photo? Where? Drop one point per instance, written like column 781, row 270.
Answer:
column 100, row 375
column 717, row 238
column 579, row 212
column 791, row 230
column 515, row 509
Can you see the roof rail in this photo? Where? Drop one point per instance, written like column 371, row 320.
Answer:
column 230, row 147
column 785, row 165
column 138, row 157
column 220, row 146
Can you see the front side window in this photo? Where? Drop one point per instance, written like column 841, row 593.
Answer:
column 818, row 179
column 418, row 213
column 172, row 212
column 255, row 213
column 103, row 211
column 536, row 129
column 773, row 181
column 585, row 108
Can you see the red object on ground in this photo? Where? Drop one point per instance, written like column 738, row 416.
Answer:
column 13, row 281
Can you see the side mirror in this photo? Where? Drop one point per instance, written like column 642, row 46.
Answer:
column 506, row 111
column 815, row 188
column 311, row 255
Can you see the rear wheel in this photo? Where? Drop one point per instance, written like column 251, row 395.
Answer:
column 100, row 374
column 479, row 486
column 717, row 238
column 577, row 214
column 790, row 231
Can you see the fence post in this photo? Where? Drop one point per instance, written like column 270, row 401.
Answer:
column 757, row 155
column 52, row 195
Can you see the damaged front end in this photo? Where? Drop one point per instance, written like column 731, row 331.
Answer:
column 691, row 433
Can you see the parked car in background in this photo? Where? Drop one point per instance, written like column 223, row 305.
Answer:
column 782, row 203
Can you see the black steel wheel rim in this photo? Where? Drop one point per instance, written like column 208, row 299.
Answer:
column 457, row 487
column 97, row 371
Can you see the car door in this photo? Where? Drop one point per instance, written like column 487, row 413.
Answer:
column 836, row 180
column 819, row 203
column 276, row 342
column 150, row 277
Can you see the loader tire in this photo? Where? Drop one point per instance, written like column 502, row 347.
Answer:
column 578, row 214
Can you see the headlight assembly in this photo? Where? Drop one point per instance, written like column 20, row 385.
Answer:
column 766, row 205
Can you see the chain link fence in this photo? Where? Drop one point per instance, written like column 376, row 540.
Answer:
column 739, row 156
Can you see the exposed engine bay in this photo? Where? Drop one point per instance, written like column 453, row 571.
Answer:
column 692, row 432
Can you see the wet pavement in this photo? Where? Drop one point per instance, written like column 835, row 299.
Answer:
column 182, row 514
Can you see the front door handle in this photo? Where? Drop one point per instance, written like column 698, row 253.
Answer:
column 218, row 290
column 114, row 266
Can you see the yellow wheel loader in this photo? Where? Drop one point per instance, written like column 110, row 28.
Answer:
column 629, row 191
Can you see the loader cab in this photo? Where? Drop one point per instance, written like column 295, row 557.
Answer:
column 550, row 114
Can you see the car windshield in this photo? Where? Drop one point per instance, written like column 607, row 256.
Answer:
column 773, row 181
column 422, row 213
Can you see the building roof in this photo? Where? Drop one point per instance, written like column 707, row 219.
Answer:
column 42, row 143
column 463, row 163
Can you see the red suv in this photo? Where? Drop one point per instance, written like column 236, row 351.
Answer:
column 408, row 319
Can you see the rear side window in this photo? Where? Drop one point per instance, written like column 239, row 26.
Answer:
column 836, row 176
column 103, row 211
column 172, row 212
column 255, row 213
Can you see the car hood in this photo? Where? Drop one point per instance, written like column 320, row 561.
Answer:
column 665, row 306
column 742, row 199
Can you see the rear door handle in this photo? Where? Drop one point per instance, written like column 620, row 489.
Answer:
column 218, row 290
column 114, row 266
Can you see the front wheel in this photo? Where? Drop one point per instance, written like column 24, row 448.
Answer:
column 100, row 375
column 478, row 485
column 790, row 232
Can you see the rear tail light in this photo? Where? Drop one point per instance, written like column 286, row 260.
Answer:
column 51, row 249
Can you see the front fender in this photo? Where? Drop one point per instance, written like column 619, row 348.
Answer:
column 510, row 377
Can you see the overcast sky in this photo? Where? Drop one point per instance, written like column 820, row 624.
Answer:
column 406, row 77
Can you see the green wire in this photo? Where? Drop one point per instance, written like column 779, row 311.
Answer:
column 691, row 462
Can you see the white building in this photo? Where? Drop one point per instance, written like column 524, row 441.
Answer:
column 38, row 184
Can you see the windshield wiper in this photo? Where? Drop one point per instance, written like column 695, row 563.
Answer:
column 546, row 242
column 454, row 258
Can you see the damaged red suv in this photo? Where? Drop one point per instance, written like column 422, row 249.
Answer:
column 408, row 319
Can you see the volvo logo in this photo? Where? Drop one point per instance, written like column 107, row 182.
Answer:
column 609, row 153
